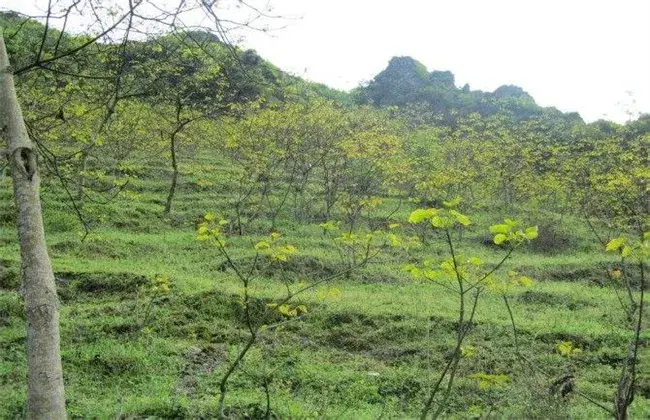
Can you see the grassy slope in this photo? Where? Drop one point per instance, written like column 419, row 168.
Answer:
column 373, row 350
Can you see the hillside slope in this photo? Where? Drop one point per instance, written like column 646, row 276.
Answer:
column 294, row 233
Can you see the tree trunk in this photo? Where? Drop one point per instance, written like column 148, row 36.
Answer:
column 45, row 396
column 82, row 178
column 172, row 188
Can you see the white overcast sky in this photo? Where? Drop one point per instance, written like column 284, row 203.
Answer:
column 577, row 55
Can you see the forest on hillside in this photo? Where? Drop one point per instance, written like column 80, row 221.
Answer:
column 201, row 234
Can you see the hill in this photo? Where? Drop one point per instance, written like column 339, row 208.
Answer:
column 407, row 81
column 232, row 241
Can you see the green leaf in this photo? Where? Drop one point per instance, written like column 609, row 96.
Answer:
column 567, row 348
column 438, row 222
column 615, row 244
column 432, row 275
column 412, row 269
column 502, row 228
column 460, row 218
column 531, row 233
column 468, row 351
column 420, row 215
column 499, row 238
column 525, row 281
column 301, row 309
column 286, row 310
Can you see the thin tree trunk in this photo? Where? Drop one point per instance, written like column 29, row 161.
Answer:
column 82, row 178
column 626, row 390
column 45, row 396
column 172, row 188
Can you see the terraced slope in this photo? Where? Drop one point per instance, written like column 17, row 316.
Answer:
column 373, row 350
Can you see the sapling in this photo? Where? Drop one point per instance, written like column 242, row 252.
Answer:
column 158, row 287
column 465, row 277
column 638, row 252
column 276, row 253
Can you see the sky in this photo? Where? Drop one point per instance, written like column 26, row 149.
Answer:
column 592, row 57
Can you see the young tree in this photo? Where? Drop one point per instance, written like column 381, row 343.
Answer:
column 188, row 77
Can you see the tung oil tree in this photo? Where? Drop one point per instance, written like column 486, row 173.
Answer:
column 269, row 254
column 445, row 162
column 110, row 24
column 314, row 154
column 465, row 277
column 610, row 181
column 373, row 152
column 190, row 77
column 266, row 149
column 63, row 106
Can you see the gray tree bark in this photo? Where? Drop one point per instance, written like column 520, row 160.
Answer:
column 45, row 393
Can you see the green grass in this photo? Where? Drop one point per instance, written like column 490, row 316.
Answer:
column 374, row 350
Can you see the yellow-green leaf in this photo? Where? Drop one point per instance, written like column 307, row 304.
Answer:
column 615, row 244
column 460, row 218
column 420, row 215
column 531, row 233
column 502, row 228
